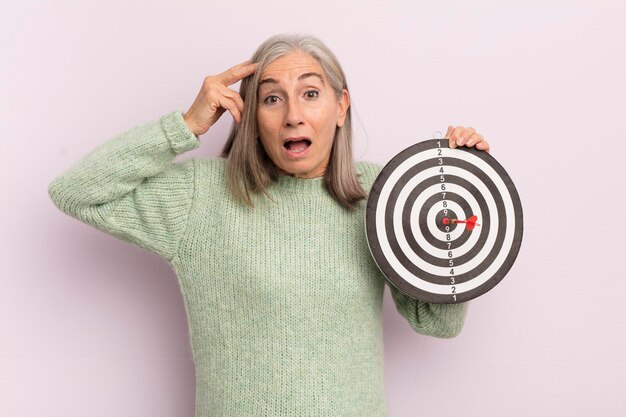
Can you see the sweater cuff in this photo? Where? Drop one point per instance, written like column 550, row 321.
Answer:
column 180, row 137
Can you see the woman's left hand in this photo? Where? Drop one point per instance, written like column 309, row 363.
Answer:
column 466, row 136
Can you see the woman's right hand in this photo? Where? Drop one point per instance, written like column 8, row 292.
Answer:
column 215, row 98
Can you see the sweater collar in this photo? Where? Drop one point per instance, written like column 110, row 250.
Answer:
column 293, row 184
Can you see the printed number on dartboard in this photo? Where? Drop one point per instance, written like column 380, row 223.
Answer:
column 444, row 203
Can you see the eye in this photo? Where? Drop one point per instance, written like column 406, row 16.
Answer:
column 270, row 99
column 312, row 94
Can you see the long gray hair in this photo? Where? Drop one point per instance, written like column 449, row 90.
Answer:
column 248, row 167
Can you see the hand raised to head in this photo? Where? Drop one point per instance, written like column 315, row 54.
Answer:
column 215, row 98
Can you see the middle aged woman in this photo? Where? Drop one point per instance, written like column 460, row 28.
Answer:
column 268, row 243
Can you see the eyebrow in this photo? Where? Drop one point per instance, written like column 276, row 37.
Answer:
column 300, row 78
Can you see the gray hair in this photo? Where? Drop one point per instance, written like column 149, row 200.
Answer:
column 249, row 168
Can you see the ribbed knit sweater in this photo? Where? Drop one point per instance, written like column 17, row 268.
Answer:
column 283, row 300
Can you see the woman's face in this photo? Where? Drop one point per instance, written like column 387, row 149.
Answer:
column 298, row 113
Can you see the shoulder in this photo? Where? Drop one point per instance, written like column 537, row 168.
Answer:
column 214, row 163
column 175, row 172
column 367, row 172
column 212, row 168
column 206, row 173
column 367, row 167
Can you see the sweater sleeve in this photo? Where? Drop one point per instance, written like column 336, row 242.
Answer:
column 129, row 187
column 438, row 320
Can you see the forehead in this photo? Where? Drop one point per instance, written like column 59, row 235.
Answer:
column 290, row 66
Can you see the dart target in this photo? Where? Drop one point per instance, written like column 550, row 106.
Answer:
column 443, row 225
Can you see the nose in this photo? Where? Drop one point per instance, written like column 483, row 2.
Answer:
column 293, row 117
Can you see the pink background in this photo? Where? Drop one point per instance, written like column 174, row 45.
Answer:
column 93, row 326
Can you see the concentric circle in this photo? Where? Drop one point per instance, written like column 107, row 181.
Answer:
column 443, row 225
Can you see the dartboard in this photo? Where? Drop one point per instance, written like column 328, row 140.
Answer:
column 443, row 225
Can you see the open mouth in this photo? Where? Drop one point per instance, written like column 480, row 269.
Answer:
column 297, row 146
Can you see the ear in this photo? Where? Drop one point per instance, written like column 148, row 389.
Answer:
column 344, row 103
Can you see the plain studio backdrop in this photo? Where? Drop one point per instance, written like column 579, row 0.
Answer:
column 94, row 326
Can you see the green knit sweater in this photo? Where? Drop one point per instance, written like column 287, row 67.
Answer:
column 283, row 300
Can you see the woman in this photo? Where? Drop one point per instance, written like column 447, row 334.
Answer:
column 282, row 295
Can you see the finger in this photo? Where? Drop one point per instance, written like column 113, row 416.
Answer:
column 464, row 135
column 229, row 105
column 221, row 97
column 483, row 145
column 233, row 95
column 239, row 102
column 236, row 73
column 474, row 139
column 450, row 130
column 451, row 142
column 457, row 135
